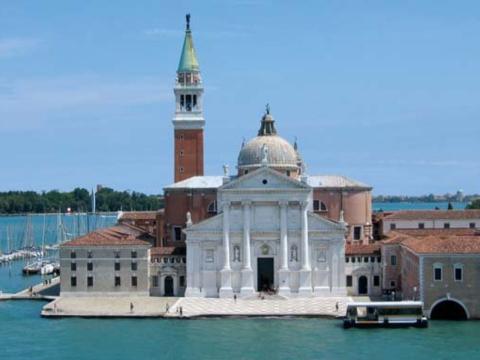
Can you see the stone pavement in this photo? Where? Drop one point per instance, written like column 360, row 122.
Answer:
column 204, row 307
column 143, row 306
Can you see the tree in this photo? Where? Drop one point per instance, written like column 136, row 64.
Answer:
column 475, row 204
column 450, row 206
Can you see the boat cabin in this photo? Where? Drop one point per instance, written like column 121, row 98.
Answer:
column 385, row 314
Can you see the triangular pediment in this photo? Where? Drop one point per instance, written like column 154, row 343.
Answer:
column 319, row 223
column 214, row 223
column 264, row 178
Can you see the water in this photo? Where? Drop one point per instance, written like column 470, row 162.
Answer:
column 25, row 335
column 386, row 206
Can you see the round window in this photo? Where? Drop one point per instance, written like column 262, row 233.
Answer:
column 264, row 181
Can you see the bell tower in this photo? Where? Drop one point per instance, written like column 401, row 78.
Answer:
column 188, row 122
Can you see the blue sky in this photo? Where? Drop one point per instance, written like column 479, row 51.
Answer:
column 385, row 92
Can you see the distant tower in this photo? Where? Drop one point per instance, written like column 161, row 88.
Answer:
column 188, row 122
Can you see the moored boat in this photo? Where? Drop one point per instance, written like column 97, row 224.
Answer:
column 385, row 314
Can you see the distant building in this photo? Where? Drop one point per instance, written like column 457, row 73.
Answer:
column 108, row 262
column 430, row 219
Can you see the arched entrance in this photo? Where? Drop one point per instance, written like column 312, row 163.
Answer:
column 362, row 285
column 448, row 310
column 168, row 282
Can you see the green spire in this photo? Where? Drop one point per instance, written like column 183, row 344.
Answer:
column 188, row 60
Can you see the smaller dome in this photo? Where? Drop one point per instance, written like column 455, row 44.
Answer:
column 280, row 153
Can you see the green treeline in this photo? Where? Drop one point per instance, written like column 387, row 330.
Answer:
column 475, row 204
column 22, row 202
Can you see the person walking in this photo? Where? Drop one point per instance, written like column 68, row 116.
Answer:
column 131, row 307
column 235, row 298
column 336, row 306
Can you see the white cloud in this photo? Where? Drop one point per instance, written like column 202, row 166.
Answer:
column 11, row 47
column 24, row 102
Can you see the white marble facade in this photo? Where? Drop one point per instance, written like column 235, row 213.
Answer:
column 265, row 237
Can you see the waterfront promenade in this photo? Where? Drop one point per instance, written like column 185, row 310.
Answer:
column 155, row 307
column 40, row 291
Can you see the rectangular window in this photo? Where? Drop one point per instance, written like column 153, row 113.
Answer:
column 155, row 281
column 134, row 266
column 357, row 233
column 446, row 225
column 393, row 226
column 392, row 284
column 349, row 281
column 73, row 266
column 117, row 266
column 89, row 281
column 89, row 254
column 89, row 266
column 347, row 259
column 177, row 233
column 458, row 273
column 316, row 205
column 372, row 259
column 379, row 259
column 134, row 254
column 393, row 260
column 437, row 273
column 353, row 259
column 365, row 259
column 472, row 225
column 376, row 280
column 421, row 225
column 73, row 281
column 73, row 255
column 117, row 281
column 182, row 281
column 117, row 254
column 134, row 281
column 359, row 259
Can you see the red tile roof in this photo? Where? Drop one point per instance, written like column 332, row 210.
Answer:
column 394, row 238
column 444, row 244
column 168, row 250
column 119, row 235
column 433, row 215
column 138, row 215
column 370, row 249
column 441, row 232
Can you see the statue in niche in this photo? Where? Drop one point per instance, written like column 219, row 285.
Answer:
column 265, row 249
column 236, row 253
column 294, row 253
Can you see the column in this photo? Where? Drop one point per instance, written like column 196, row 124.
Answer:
column 305, row 288
column 247, row 264
column 247, row 272
column 226, row 273
column 283, row 273
column 305, row 246
column 193, row 271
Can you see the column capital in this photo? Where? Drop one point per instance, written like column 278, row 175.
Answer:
column 303, row 204
column 246, row 203
column 283, row 203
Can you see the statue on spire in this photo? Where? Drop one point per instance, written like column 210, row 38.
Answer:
column 188, row 21
column 267, row 109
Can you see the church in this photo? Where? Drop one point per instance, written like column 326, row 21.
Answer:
column 270, row 227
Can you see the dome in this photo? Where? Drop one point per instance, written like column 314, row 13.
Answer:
column 279, row 154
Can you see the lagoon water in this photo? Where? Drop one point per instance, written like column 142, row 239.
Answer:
column 25, row 335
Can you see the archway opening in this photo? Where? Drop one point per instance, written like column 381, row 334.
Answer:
column 362, row 285
column 448, row 310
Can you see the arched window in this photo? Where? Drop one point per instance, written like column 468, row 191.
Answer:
column 294, row 253
column 212, row 207
column 319, row 206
